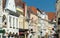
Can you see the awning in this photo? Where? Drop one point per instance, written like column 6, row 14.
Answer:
column 23, row 30
column 21, row 10
column 21, row 33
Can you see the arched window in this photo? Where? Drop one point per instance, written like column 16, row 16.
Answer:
column 4, row 17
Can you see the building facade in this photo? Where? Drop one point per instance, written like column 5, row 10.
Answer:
column 33, row 22
column 23, row 23
column 39, row 22
column 1, row 11
column 58, row 16
column 10, row 19
column 52, row 23
column 45, row 25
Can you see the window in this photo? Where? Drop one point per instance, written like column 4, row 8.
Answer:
column 10, row 21
column 58, row 21
column 16, row 23
column 13, row 22
column 4, row 17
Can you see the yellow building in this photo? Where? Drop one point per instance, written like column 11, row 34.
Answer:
column 23, row 24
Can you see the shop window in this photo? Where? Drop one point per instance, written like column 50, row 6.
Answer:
column 58, row 21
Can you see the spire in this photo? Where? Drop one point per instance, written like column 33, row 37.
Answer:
column 10, row 5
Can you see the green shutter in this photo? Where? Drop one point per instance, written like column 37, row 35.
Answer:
column 2, row 31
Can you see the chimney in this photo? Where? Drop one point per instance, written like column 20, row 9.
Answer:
column 24, row 7
column 3, row 4
column 18, row 2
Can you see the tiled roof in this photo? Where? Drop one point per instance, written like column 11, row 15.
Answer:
column 33, row 9
column 51, row 15
column 17, row 3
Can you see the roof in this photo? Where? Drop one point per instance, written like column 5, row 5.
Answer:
column 51, row 15
column 17, row 3
column 33, row 9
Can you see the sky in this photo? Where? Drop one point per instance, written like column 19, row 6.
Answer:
column 45, row 5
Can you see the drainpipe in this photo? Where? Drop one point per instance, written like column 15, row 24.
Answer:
column 24, row 22
column 24, row 6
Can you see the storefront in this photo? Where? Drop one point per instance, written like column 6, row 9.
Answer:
column 23, row 33
column 13, row 35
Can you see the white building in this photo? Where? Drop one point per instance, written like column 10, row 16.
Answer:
column 1, row 19
column 39, row 24
column 43, row 23
column 10, row 19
